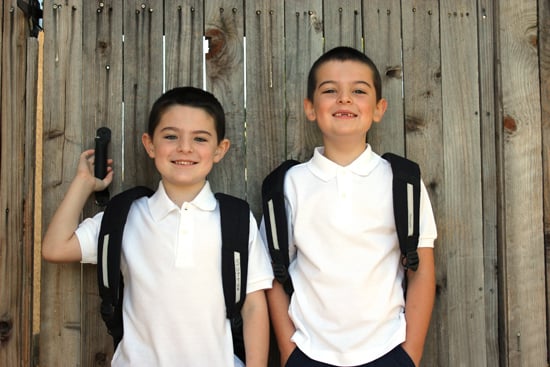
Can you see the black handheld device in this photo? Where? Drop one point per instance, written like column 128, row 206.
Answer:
column 102, row 139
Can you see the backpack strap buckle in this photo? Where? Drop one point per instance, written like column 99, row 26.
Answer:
column 280, row 272
column 410, row 260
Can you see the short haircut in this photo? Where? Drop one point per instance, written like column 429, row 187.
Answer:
column 192, row 97
column 343, row 53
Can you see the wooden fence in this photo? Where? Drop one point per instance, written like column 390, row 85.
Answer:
column 468, row 85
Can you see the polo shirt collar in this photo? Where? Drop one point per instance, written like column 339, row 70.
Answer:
column 326, row 169
column 160, row 204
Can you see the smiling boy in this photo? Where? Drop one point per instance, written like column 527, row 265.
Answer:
column 348, row 306
column 173, row 306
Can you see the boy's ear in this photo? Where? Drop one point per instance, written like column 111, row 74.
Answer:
column 380, row 109
column 148, row 145
column 309, row 110
column 221, row 149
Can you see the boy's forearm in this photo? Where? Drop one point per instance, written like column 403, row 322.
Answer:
column 278, row 303
column 59, row 241
column 419, row 304
column 256, row 329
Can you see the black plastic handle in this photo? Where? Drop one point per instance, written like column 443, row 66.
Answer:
column 102, row 139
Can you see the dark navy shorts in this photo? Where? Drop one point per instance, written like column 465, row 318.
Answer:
column 395, row 358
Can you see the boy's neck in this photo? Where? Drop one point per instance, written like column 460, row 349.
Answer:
column 343, row 154
column 183, row 194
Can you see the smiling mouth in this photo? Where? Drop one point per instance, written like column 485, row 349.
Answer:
column 184, row 163
column 344, row 114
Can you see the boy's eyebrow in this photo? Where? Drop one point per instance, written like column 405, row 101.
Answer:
column 335, row 82
column 170, row 128
column 202, row 132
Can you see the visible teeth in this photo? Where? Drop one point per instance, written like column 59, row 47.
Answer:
column 183, row 163
column 341, row 114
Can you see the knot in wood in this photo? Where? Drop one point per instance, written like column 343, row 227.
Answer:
column 216, row 42
column 6, row 327
column 413, row 123
column 510, row 124
column 394, row 72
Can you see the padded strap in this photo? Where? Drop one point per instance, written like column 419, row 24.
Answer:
column 235, row 227
column 276, row 223
column 406, row 206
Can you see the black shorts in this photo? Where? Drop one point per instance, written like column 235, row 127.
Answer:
column 397, row 357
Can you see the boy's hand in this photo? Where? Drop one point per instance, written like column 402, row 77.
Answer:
column 85, row 171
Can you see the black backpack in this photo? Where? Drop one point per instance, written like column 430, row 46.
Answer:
column 234, row 214
column 406, row 208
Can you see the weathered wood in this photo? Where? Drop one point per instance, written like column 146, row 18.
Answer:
column 524, row 244
column 60, row 293
column 423, row 123
column 382, row 24
column 16, row 179
column 304, row 44
column 184, row 29
column 544, row 62
column 462, row 219
column 486, row 44
column 342, row 23
column 102, row 86
column 28, row 281
column 224, row 30
column 143, row 39
column 265, row 104
column 475, row 164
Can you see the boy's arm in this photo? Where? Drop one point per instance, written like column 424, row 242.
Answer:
column 256, row 329
column 419, row 304
column 278, row 302
column 60, row 243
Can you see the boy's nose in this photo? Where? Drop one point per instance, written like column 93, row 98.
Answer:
column 185, row 146
column 344, row 98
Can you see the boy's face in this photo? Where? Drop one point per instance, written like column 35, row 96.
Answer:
column 344, row 101
column 185, row 147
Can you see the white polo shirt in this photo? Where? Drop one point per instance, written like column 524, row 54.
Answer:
column 174, row 308
column 348, row 305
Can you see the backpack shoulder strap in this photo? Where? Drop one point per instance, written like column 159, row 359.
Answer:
column 406, row 206
column 235, row 227
column 275, row 221
column 108, row 257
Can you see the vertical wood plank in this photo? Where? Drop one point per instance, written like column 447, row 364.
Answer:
column 265, row 104
column 224, row 30
column 102, row 88
column 342, row 23
column 462, row 179
column 544, row 62
column 143, row 39
column 382, row 34
column 183, row 24
column 29, row 138
column 60, row 293
column 524, row 267
column 423, row 137
column 490, row 186
column 304, row 44
column 15, row 198
column 27, row 316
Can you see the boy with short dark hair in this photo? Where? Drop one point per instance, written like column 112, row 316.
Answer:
column 173, row 306
column 348, row 306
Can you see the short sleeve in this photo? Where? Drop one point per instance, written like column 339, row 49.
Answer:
column 260, row 273
column 87, row 234
column 428, row 230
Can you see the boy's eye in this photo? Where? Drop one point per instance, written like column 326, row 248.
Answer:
column 200, row 139
column 359, row 91
column 328, row 91
column 170, row 137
